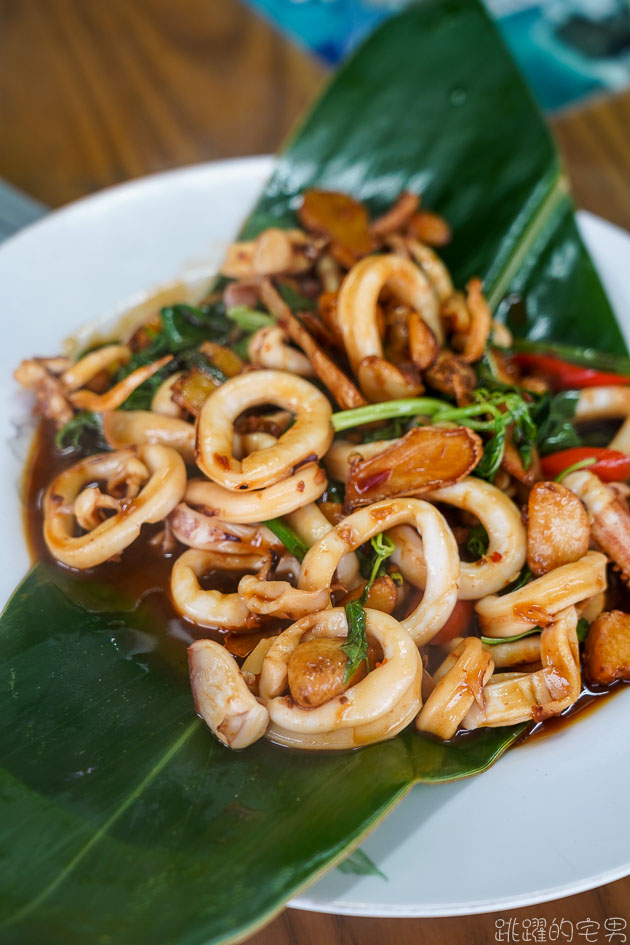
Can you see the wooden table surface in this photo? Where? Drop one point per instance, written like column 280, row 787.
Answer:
column 94, row 93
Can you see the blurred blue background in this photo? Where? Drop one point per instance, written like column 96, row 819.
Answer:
column 567, row 49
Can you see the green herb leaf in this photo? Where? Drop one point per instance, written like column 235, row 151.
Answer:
column 249, row 319
column 383, row 547
column 490, row 411
column 186, row 326
column 493, row 450
column 583, row 626
column 335, row 492
column 141, row 397
column 84, row 429
column 524, row 578
column 183, row 329
column 359, row 864
column 477, row 541
column 553, row 417
column 289, row 538
column 240, row 347
column 355, row 646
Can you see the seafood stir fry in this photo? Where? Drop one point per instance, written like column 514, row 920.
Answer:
column 398, row 512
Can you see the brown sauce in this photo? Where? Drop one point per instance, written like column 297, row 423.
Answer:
column 143, row 573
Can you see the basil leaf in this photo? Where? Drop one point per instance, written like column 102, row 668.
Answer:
column 355, row 646
column 83, row 430
column 553, row 417
column 240, row 347
column 186, row 326
column 141, row 397
column 383, row 547
column 524, row 578
column 335, row 492
column 477, row 542
column 182, row 327
column 370, row 565
column 493, row 451
column 583, row 626
column 174, row 338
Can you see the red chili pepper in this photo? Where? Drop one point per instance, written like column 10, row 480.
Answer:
column 610, row 465
column 459, row 622
column 565, row 376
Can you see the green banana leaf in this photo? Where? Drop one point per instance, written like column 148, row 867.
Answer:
column 124, row 821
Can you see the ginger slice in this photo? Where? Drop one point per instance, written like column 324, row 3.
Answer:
column 425, row 458
column 339, row 217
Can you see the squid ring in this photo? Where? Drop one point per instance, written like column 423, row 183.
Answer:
column 442, row 582
column 212, row 608
column 279, row 598
column 123, row 428
column 376, row 695
column 245, row 508
column 501, row 519
column 435, row 269
column 358, row 297
column 602, row 403
column 208, row 533
column 308, row 438
column 268, row 348
column 388, row 726
column 310, row 523
column 538, row 602
column 459, row 683
column 222, row 698
column 245, row 443
column 509, row 698
column 159, row 496
column 163, row 402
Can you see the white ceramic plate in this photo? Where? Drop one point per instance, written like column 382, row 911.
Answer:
column 552, row 817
